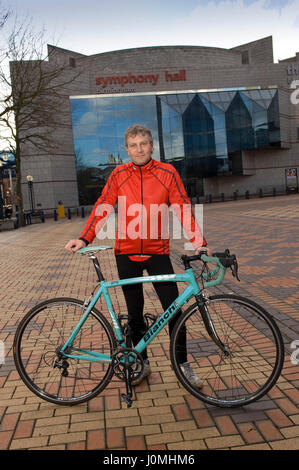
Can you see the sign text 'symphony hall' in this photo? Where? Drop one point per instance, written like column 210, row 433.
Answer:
column 131, row 78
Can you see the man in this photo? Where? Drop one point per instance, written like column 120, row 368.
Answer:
column 141, row 186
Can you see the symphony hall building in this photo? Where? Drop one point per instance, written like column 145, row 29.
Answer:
column 226, row 119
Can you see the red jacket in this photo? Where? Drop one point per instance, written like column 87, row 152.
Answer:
column 142, row 194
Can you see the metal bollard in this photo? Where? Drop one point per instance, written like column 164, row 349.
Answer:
column 235, row 195
column 82, row 212
column 55, row 214
column 274, row 192
column 222, row 197
column 69, row 215
column 261, row 193
column 247, row 194
column 16, row 222
column 42, row 217
column 210, row 198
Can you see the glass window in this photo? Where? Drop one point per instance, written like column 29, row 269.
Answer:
column 202, row 134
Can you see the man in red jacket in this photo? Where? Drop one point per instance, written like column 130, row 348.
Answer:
column 146, row 187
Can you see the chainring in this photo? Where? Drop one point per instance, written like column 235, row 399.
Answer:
column 135, row 363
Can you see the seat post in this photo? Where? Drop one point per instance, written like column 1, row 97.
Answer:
column 97, row 268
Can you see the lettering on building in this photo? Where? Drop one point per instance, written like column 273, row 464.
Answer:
column 129, row 79
column 175, row 77
column 292, row 70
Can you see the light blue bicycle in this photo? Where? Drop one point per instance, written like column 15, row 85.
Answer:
column 67, row 351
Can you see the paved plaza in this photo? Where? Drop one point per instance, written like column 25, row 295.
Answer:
column 263, row 233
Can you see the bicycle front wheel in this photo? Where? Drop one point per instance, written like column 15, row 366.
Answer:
column 255, row 351
column 40, row 335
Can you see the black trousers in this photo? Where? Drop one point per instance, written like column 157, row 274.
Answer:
column 166, row 291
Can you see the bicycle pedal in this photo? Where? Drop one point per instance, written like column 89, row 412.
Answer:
column 128, row 400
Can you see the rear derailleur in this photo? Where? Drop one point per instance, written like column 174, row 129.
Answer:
column 61, row 362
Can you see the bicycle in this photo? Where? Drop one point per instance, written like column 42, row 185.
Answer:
column 66, row 351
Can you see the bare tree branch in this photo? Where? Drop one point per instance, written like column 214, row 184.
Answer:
column 4, row 15
column 32, row 89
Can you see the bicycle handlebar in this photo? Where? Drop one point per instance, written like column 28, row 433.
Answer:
column 223, row 261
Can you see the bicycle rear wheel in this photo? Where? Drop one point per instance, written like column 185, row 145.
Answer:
column 256, row 351
column 40, row 335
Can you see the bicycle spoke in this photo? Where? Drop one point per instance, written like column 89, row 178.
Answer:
column 50, row 374
column 251, row 366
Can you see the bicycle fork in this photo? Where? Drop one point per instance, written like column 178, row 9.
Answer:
column 206, row 318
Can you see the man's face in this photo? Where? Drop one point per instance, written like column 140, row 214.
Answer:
column 140, row 149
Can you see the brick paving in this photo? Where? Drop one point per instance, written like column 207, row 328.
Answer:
column 34, row 266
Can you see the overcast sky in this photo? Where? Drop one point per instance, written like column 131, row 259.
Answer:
column 94, row 26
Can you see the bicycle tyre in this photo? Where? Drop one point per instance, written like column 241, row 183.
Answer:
column 256, row 353
column 46, row 327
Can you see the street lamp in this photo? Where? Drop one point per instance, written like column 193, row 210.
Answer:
column 31, row 193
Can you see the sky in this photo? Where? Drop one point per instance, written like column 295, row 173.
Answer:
column 95, row 26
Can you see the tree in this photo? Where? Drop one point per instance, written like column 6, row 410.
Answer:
column 33, row 83
column 4, row 14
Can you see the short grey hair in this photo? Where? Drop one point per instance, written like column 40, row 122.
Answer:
column 137, row 129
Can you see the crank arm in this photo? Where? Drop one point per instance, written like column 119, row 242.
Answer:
column 128, row 397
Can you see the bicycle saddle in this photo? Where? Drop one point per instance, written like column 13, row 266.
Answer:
column 93, row 249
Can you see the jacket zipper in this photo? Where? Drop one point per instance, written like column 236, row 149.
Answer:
column 141, row 228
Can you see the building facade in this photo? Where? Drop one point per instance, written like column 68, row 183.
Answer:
column 227, row 119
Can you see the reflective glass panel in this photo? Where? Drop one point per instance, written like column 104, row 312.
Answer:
column 201, row 134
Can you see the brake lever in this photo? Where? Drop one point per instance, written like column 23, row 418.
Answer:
column 234, row 268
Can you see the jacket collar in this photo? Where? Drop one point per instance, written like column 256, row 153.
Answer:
column 144, row 167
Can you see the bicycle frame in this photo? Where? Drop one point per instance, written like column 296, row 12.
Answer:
column 192, row 289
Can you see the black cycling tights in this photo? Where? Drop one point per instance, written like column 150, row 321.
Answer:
column 166, row 291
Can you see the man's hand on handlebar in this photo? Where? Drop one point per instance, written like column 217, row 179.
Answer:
column 202, row 249
column 74, row 245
